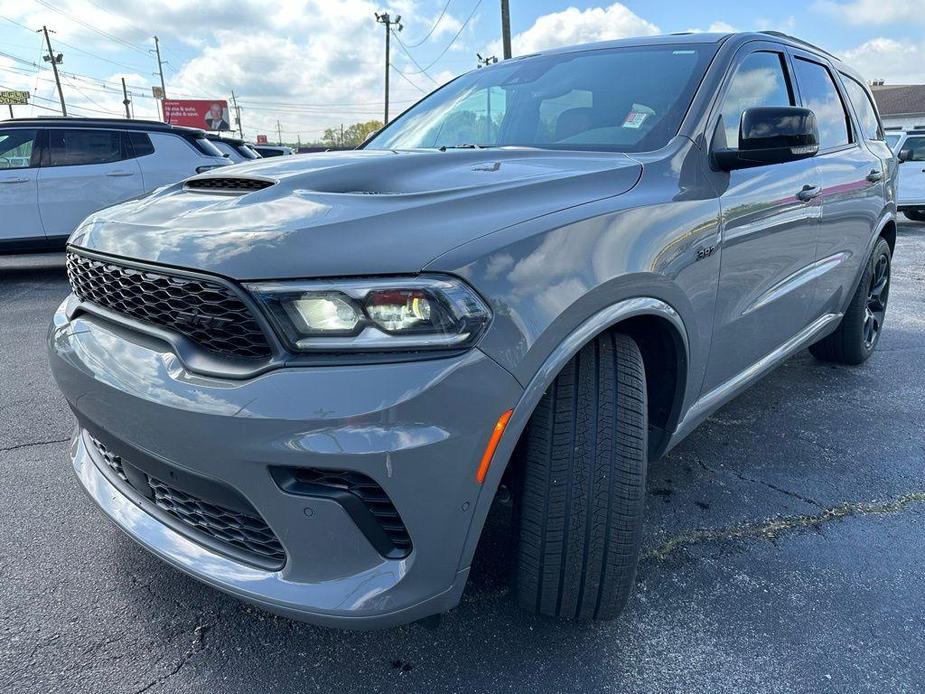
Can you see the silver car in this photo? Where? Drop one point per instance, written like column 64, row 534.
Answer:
column 304, row 380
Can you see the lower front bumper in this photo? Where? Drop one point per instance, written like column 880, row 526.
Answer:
column 416, row 429
column 268, row 589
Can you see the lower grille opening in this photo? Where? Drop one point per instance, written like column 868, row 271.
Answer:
column 361, row 496
column 245, row 533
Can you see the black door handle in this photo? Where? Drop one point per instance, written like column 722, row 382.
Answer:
column 875, row 175
column 808, row 193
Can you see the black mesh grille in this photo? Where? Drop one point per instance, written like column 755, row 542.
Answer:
column 111, row 459
column 246, row 532
column 242, row 185
column 208, row 313
column 372, row 495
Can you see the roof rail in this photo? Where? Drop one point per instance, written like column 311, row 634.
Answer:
column 782, row 35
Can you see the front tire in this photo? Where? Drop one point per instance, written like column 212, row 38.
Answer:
column 580, row 505
column 859, row 331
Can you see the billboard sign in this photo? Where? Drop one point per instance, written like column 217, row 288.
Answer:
column 261, row 139
column 209, row 114
column 14, row 98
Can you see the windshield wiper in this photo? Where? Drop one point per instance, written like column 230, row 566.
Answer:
column 462, row 146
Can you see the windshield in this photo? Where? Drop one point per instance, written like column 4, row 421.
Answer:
column 891, row 140
column 627, row 99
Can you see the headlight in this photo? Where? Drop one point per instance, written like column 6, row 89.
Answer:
column 428, row 312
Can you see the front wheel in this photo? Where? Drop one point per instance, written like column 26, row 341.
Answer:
column 580, row 504
column 859, row 331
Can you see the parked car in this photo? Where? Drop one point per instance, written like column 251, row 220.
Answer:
column 303, row 381
column 236, row 150
column 268, row 151
column 910, row 194
column 56, row 171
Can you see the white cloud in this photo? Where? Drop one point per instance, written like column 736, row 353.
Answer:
column 892, row 60
column 866, row 12
column 573, row 26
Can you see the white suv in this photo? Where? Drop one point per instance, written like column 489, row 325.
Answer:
column 910, row 193
column 56, row 171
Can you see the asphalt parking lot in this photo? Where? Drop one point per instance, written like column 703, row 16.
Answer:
column 784, row 552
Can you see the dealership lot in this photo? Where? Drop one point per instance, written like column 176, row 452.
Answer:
column 784, row 552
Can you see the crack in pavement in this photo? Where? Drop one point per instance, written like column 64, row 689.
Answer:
column 769, row 529
column 34, row 443
column 754, row 480
column 194, row 648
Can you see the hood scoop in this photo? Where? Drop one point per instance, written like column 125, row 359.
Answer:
column 228, row 184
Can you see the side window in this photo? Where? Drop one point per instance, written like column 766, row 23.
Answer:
column 821, row 97
column 76, row 147
column 760, row 80
column 864, row 107
column 916, row 146
column 139, row 144
column 16, row 148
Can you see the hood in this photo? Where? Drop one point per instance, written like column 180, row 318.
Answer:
column 349, row 213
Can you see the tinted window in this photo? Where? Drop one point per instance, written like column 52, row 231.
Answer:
column 140, row 144
column 916, row 145
column 264, row 152
column 75, row 147
column 759, row 81
column 207, row 147
column 821, row 97
column 247, row 152
column 16, row 148
column 892, row 139
column 618, row 99
column 867, row 114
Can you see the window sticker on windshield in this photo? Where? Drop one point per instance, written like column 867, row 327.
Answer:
column 635, row 119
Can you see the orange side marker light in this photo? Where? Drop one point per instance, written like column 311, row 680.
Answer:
column 492, row 445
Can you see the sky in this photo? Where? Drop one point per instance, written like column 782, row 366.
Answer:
column 314, row 64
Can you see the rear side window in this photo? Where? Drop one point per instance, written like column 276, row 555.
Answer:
column 916, row 146
column 821, row 97
column 760, row 80
column 864, row 107
column 207, row 147
column 16, row 147
column 80, row 147
column 139, row 144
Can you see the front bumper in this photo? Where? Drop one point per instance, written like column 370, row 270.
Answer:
column 417, row 429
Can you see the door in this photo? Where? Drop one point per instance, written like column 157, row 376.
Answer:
column 770, row 220
column 853, row 177
column 911, row 186
column 19, row 209
column 83, row 170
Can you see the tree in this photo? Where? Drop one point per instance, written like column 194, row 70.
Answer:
column 350, row 136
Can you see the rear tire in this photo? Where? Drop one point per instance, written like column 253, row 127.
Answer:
column 915, row 215
column 857, row 335
column 580, row 504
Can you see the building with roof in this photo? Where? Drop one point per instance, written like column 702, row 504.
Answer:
column 902, row 106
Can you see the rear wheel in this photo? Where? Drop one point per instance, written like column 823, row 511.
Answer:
column 580, row 503
column 859, row 331
column 916, row 215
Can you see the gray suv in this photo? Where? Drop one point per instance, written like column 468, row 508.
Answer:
column 304, row 380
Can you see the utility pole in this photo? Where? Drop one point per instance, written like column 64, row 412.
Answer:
column 160, row 71
column 506, row 28
column 125, row 100
column 55, row 60
column 279, row 134
column 237, row 115
column 341, row 134
column 388, row 22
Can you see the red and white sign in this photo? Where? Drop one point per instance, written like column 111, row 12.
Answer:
column 197, row 113
column 261, row 139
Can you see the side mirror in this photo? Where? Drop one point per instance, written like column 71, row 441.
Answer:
column 904, row 155
column 771, row 135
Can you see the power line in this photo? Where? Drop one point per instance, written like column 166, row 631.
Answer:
column 408, row 80
column 433, row 28
column 452, row 41
column 111, row 37
column 411, row 57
